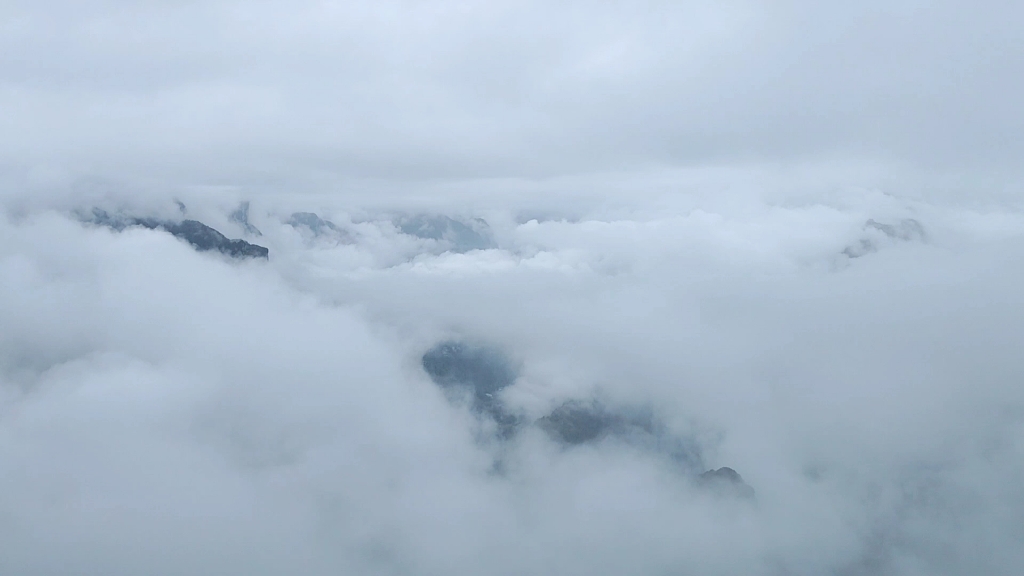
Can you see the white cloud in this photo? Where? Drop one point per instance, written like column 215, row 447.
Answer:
column 261, row 92
column 670, row 187
column 261, row 417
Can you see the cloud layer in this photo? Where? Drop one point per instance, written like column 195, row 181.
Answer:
column 779, row 238
column 171, row 411
column 255, row 92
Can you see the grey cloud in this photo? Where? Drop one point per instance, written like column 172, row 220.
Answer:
column 551, row 285
column 199, row 408
column 256, row 92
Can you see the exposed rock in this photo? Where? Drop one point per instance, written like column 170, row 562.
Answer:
column 314, row 223
column 205, row 238
column 906, row 230
column 577, row 422
column 317, row 226
column 725, row 482
column 202, row 237
column 484, row 369
column 481, row 371
column 241, row 217
column 459, row 236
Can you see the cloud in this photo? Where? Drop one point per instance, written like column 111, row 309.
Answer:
column 782, row 240
column 231, row 92
column 171, row 408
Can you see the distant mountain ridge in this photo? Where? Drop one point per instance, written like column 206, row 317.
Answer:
column 202, row 237
column 481, row 372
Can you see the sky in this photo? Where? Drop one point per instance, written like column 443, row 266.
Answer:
column 791, row 231
column 230, row 92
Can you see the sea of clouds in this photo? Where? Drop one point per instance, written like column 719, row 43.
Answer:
column 784, row 238
column 167, row 411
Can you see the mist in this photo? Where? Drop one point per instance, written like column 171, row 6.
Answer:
column 506, row 288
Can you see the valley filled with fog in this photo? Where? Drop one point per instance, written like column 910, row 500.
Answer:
column 440, row 288
column 854, row 360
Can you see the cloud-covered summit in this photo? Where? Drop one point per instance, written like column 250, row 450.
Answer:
column 261, row 416
column 552, row 288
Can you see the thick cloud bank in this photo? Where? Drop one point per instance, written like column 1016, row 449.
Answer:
column 171, row 411
column 503, row 288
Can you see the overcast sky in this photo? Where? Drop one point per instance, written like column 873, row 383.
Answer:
column 791, row 232
column 227, row 92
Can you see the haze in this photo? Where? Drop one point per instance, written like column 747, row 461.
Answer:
column 783, row 238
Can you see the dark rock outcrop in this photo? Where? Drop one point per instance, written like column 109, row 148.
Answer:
column 459, row 236
column 241, row 217
column 317, row 226
column 205, row 238
column 906, row 230
column 202, row 237
column 578, row 422
column 484, row 369
column 314, row 223
column 479, row 371
column 725, row 482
